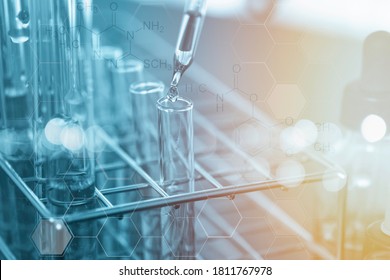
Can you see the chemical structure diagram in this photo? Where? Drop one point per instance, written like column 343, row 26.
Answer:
column 256, row 79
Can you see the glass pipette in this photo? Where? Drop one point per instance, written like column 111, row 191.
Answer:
column 190, row 29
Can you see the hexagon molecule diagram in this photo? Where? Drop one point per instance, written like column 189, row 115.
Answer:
column 51, row 237
column 286, row 101
column 252, row 136
column 260, row 44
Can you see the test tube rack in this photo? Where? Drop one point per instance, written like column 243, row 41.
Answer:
column 208, row 185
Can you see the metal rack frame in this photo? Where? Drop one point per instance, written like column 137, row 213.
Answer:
column 217, row 190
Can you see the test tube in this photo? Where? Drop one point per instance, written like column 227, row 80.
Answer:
column 125, row 72
column 18, row 216
column 16, row 64
column 105, row 108
column 176, row 164
column 105, row 58
column 143, row 97
column 63, row 113
column 144, row 150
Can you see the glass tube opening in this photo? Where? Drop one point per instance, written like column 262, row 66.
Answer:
column 176, row 144
column 180, row 105
column 143, row 96
column 175, row 127
column 147, row 87
column 144, row 149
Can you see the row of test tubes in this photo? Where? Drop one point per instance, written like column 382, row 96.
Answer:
column 59, row 103
column 158, row 134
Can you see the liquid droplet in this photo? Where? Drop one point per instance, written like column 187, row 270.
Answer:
column 23, row 18
column 173, row 94
column 19, row 36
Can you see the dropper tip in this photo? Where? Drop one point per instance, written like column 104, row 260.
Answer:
column 173, row 94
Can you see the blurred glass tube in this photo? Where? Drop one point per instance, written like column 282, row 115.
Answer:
column 144, row 96
column 125, row 72
column 16, row 66
column 144, row 150
column 64, row 112
column 114, row 113
column 105, row 58
column 17, row 215
column 64, row 108
column 175, row 133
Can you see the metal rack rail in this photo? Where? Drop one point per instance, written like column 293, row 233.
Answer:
column 209, row 184
column 210, row 188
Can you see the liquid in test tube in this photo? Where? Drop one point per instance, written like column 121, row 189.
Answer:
column 175, row 126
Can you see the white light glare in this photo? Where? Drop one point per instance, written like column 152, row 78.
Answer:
column 60, row 132
column 53, row 130
column 72, row 137
column 349, row 17
column 224, row 7
column 290, row 173
column 333, row 183
column 294, row 139
column 373, row 128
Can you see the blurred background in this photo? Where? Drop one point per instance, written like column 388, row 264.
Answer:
column 290, row 139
